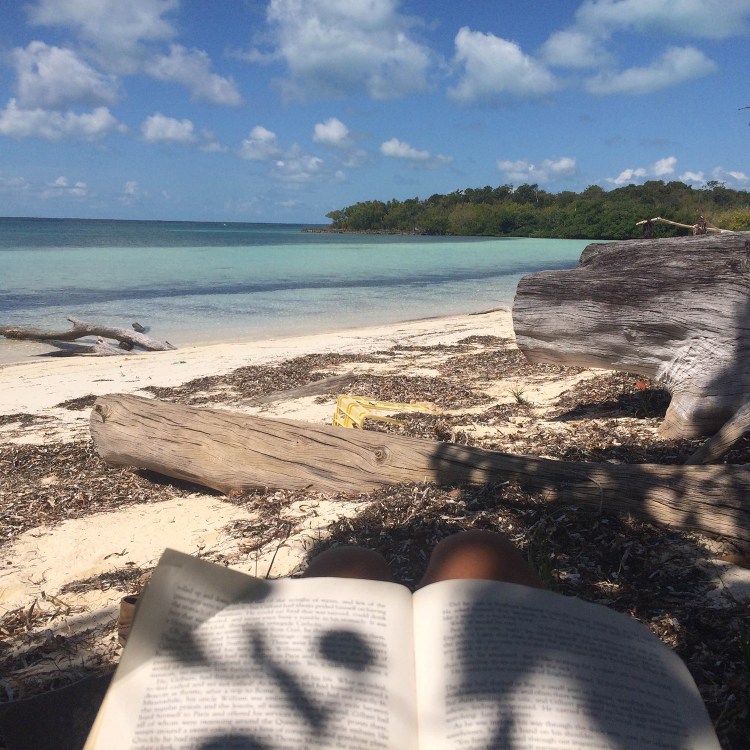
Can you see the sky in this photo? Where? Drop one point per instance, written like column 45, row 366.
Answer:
column 285, row 110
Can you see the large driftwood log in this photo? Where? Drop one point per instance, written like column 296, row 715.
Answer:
column 677, row 310
column 127, row 338
column 229, row 452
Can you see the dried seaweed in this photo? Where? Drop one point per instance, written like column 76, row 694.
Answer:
column 646, row 571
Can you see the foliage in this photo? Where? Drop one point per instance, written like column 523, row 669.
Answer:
column 529, row 211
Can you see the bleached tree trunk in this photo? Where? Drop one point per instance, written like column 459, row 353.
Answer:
column 677, row 310
column 229, row 451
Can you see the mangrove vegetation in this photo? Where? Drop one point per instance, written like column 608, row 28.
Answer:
column 529, row 211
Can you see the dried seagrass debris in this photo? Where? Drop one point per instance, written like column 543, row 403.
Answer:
column 129, row 579
column 491, row 365
column 405, row 388
column 78, row 404
column 612, row 395
column 24, row 420
column 643, row 570
column 41, row 484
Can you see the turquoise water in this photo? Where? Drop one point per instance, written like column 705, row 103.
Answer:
column 195, row 282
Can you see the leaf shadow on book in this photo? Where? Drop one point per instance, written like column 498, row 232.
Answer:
column 340, row 648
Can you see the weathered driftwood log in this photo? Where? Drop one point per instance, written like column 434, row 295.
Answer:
column 229, row 452
column 99, row 348
column 677, row 310
column 127, row 338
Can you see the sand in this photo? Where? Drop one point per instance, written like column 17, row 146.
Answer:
column 44, row 559
column 36, row 567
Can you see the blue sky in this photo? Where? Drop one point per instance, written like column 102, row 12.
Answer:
column 283, row 110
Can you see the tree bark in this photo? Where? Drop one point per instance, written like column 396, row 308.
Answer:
column 677, row 310
column 129, row 338
column 228, row 451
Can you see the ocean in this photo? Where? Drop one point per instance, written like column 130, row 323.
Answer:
column 194, row 282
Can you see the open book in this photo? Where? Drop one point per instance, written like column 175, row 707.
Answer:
column 219, row 659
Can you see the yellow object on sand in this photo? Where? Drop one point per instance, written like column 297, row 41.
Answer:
column 351, row 411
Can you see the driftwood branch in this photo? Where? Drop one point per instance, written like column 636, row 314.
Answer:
column 712, row 450
column 127, row 338
column 99, row 348
column 677, row 310
column 230, row 451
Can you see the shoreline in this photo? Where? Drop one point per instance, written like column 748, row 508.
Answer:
column 80, row 534
column 43, row 382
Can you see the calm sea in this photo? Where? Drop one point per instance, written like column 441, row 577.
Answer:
column 196, row 282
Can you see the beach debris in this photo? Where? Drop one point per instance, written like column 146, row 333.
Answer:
column 671, row 309
column 702, row 226
column 352, row 411
column 233, row 452
column 128, row 340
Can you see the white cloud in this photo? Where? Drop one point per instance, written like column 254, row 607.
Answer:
column 158, row 128
column 494, row 68
column 675, row 66
column 659, row 169
column 334, row 48
column 628, row 175
column 260, row 145
column 574, row 48
column 693, row 178
column 54, row 126
column 528, row 172
column 712, row 19
column 61, row 187
column 297, row 168
column 54, row 78
column 728, row 175
column 115, row 29
column 332, row 132
column 664, row 166
column 192, row 69
column 401, row 150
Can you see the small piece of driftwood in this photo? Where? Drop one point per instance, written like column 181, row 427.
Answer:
column 127, row 338
column 230, row 451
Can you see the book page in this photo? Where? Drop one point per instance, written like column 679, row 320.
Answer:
column 219, row 659
column 502, row 665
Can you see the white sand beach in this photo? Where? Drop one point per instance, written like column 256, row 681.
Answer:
column 61, row 581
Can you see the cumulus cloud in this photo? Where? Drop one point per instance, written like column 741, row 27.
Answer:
column 290, row 166
column 55, row 78
column 528, row 172
column 192, row 69
column 332, row 132
column 493, row 68
column 659, row 169
column 61, row 187
column 574, row 48
column 710, row 19
column 260, row 145
column 677, row 65
column 54, row 126
column 114, row 29
column 728, row 175
column 296, row 168
column 158, row 128
column 693, row 178
column 335, row 48
column 396, row 149
column 126, row 38
column 401, row 150
column 664, row 166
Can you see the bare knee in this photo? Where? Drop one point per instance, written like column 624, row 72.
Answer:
column 349, row 562
column 478, row 554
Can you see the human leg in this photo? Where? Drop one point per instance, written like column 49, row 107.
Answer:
column 349, row 562
column 478, row 554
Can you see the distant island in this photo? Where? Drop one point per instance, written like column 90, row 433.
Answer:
column 529, row 211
